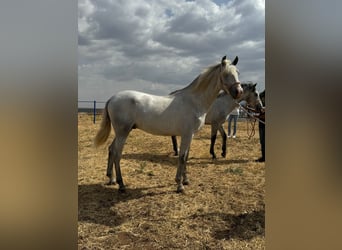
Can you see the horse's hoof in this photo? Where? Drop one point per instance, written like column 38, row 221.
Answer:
column 180, row 189
column 214, row 157
column 111, row 182
column 186, row 182
column 223, row 155
column 122, row 190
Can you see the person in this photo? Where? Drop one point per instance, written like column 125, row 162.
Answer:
column 233, row 117
column 261, row 116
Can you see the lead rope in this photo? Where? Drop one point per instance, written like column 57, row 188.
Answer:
column 251, row 120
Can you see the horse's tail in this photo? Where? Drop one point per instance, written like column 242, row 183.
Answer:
column 105, row 128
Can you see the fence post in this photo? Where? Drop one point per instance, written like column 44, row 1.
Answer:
column 94, row 112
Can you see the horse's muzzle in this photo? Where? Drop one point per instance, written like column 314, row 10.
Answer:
column 258, row 107
column 236, row 90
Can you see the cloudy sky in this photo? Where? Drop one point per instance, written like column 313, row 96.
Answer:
column 158, row 46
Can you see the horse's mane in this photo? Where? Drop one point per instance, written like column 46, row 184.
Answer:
column 202, row 80
column 187, row 87
column 262, row 94
column 206, row 75
column 262, row 97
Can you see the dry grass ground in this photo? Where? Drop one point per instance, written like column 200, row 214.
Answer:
column 222, row 208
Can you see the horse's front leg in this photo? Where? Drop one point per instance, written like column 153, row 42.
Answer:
column 181, row 175
column 185, row 177
column 224, row 141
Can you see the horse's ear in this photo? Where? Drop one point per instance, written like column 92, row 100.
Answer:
column 235, row 61
column 223, row 60
column 255, row 84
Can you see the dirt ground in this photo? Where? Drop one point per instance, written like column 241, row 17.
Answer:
column 222, row 208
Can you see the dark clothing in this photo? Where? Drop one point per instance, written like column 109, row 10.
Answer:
column 262, row 139
column 262, row 128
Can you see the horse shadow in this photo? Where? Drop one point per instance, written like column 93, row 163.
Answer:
column 171, row 160
column 164, row 159
column 96, row 202
column 241, row 227
column 222, row 161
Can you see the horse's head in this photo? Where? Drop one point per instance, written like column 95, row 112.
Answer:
column 229, row 77
column 251, row 95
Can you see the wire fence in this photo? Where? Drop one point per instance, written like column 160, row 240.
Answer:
column 95, row 107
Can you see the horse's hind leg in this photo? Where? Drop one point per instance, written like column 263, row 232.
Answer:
column 117, row 153
column 174, row 144
column 110, row 164
column 224, row 141
column 213, row 139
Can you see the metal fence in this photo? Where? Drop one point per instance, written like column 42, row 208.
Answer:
column 95, row 107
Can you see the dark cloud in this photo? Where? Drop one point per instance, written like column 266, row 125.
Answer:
column 167, row 42
column 83, row 41
column 189, row 23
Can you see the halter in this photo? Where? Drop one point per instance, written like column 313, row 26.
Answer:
column 221, row 78
column 237, row 83
column 233, row 85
